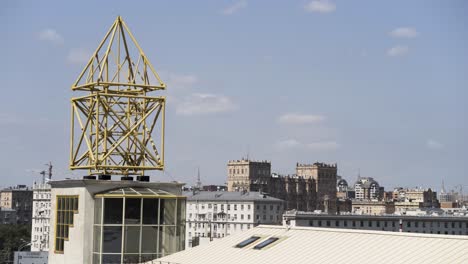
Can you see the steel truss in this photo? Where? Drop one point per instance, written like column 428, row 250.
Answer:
column 112, row 127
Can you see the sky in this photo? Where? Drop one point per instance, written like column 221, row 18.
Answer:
column 378, row 87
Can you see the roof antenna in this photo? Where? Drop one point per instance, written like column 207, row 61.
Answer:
column 199, row 183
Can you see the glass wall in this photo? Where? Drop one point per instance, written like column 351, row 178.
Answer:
column 134, row 229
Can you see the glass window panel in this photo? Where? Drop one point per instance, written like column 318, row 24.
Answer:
column 131, row 258
column 59, row 204
column 97, row 239
column 65, row 204
column 65, row 231
column 70, row 217
column 132, row 211
column 248, row 241
column 161, row 211
column 108, row 258
column 181, row 237
column 160, row 240
column 150, row 211
column 113, row 210
column 181, row 211
column 169, row 211
column 266, row 242
column 132, row 239
column 75, row 204
column 98, row 211
column 149, row 239
column 148, row 257
column 169, row 241
column 112, row 239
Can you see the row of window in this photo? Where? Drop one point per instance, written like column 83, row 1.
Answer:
column 242, row 171
column 234, row 206
column 416, row 224
column 202, row 217
column 217, row 225
column 218, row 234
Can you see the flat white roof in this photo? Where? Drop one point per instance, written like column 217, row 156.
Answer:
column 323, row 245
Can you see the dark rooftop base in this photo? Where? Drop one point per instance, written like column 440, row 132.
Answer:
column 126, row 178
column 89, row 177
column 143, row 178
column 104, row 177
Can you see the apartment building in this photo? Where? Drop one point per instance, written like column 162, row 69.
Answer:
column 213, row 215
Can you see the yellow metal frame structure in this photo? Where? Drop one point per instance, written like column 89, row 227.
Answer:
column 112, row 127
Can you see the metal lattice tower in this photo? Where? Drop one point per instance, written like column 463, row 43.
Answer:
column 113, row 125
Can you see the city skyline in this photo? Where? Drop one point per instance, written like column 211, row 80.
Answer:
column 381, row 95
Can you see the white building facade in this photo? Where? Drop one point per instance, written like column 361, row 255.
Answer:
column 41, row 217
column 213, row 215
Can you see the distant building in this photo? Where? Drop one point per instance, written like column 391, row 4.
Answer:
column 247, row 174
column 368, row 207
column 213, row 215
column 313, row 187
column 343, row 190
column 447, row 225
column 7, row 216
column 413, row 199
column 299, row 245
column 18, row 198
column 366, row 188
column 41, row 217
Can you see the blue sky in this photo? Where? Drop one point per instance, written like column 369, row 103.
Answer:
column 375, row 86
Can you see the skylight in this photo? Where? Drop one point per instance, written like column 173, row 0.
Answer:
column 247, row 242
column 266, row 243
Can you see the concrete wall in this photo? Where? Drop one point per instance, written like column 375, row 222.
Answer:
column 78, row 249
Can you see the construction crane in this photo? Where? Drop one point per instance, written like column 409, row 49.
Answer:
column 49, row 172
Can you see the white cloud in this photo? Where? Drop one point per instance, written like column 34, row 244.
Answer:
column 79, row 56
column 50, row 35
column 434, row 144
column 287, row 144
column 198, row 104
column 296, row 119
column 235, row 7
column 397, row 51
column 404, row 32
column 175, row 80
column 320, row 6
column 323, row 145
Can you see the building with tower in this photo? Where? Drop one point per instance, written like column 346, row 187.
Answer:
column 117, row 131
column 312, row 187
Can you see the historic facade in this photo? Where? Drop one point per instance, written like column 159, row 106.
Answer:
column 312, row 187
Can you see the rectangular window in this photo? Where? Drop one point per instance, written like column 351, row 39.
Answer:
column 247, row 242
column 67, row 206
column 266, row 242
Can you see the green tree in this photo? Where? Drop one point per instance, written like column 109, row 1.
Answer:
column 11, row 238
